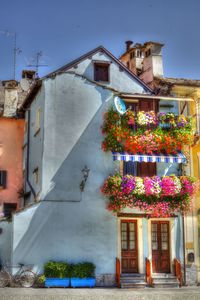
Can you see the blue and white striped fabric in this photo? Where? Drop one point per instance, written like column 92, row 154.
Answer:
column 177, row 158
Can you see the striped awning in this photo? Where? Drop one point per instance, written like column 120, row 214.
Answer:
column 177, row 158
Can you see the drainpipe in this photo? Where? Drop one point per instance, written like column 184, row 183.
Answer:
column 184, row 266
column 27, row 158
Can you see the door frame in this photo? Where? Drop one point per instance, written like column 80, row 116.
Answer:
column 139, row 241
column 171, row 239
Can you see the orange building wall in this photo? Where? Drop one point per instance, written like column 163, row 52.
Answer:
column 11, row 142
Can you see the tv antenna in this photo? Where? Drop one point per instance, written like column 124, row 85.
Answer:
column 37, row 63
column 16, row 50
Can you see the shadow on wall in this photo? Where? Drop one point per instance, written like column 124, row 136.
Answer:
column 179, row 247
column 71, row 230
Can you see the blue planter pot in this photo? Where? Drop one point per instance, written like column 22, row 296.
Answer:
column 83, row 282
column 57, row 282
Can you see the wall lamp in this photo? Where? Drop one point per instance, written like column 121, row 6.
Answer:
column 85, row 173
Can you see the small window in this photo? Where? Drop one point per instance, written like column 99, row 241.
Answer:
column 3, row 176
column 101, row 72
column 138, row 53
column 37, row 120
column 148, row 53
column 36, row 175
column 8, row 209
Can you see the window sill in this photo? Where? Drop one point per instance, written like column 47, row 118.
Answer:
column 101, row 81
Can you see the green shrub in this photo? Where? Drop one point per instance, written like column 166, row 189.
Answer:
column 55, row 269
column 83, row 270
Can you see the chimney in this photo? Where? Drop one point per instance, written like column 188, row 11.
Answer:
column 29, row 74
column 128, row 45
column 152, row 62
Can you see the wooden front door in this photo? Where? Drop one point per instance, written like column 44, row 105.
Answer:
column 160, row 246
column 129, row 251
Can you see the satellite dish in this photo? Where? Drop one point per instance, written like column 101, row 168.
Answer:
column 120, row 105
column 25, row 84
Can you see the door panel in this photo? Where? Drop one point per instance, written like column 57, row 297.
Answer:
column 160, row 246
column 129, row 252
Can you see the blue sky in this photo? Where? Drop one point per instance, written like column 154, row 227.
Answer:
column 65, row 29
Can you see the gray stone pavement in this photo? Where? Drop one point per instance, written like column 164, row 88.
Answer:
column 184, row 293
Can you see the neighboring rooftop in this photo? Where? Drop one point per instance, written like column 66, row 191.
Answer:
column 131, row 45
column 178, row 81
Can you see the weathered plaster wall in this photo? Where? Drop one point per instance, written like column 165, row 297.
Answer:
column 12, row 95
column 119, row 79
column 6, row 243
column 11, row 101
column 11, row 142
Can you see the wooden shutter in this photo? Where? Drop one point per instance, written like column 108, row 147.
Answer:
column 101, row 72
column 3, row 177
column 146, row 169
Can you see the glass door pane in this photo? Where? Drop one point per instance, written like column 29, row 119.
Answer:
column 132, row 236
column 124, row 237
column 164, row 236
column 154, row 236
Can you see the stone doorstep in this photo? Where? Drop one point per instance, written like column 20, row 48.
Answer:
column 133, row 281
column 138, row 280
column 163, row 275
column 167, row 286
column 165, row 280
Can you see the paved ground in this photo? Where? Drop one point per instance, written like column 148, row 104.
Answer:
column 185, row 293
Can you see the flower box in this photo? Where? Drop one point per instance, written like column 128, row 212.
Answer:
column 146, row 132
column 83, row 282
column 160, row 195
column 57, row 282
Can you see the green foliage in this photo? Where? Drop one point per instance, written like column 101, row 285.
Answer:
column 83, row 270
column 40, row 281
column 54, row 269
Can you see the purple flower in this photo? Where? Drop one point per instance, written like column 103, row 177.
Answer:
column 128, row 184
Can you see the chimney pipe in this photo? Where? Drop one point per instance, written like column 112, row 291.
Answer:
column 128, row 45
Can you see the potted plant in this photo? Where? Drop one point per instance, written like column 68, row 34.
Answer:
column 82, row 275
column 57, row 274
